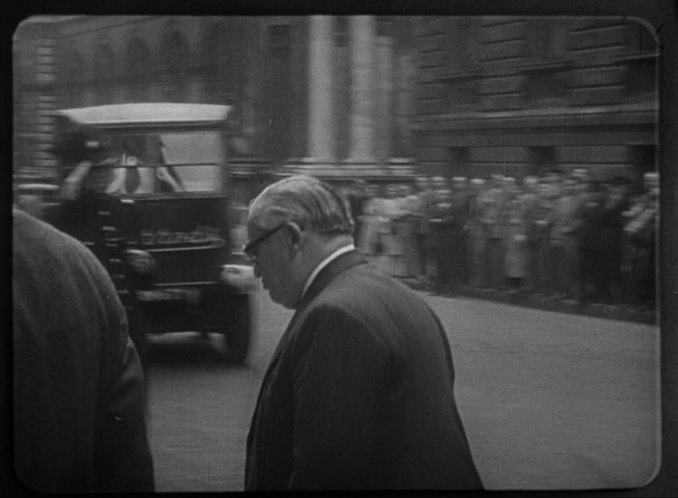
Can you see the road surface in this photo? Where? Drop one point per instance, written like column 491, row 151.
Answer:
column 549, row 400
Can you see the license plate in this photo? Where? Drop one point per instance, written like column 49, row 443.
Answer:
column 188, row 295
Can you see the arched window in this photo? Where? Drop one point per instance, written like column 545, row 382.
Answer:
column 103, row 69
column 137, row 67
column 175, row 62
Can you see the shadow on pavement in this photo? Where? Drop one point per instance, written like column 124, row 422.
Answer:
column 188, row 349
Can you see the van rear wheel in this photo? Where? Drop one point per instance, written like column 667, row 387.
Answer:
column 237, row 330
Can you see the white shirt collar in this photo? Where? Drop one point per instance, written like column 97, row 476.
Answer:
column 323, row 264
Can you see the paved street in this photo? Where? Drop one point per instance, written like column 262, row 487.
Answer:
column 549, row 400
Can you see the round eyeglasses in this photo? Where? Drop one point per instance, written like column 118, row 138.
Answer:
column 250, row 247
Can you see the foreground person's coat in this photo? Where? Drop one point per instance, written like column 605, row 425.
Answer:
column 78, row 386
column 359, row 393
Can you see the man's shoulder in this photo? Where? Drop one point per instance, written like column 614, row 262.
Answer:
column 32, row 232
column 363, row 287
column 50, row 248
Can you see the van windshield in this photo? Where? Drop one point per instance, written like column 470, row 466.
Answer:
column 173, row 162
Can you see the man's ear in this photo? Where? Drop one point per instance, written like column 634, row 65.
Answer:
column 295, row 233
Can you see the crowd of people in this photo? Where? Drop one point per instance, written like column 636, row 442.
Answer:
column 563, row 235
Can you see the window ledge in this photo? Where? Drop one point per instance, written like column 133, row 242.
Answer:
column 460, row 75
column 545, row 65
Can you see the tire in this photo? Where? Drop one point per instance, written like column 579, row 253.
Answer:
column 238, row 333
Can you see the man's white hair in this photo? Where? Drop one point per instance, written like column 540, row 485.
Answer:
column 305, row 200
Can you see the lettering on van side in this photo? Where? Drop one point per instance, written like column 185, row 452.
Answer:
column 203, row 237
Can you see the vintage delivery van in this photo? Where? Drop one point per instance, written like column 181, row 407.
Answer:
column 145, row 187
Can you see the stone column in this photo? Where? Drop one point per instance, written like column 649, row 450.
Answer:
column 384, row 97
column 362, row 34
column 321, row 118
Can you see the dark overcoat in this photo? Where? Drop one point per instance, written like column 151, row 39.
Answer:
column 79, row 395
column 359, row 393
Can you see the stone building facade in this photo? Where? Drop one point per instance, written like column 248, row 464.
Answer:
column 360, row 96
column 517, row 95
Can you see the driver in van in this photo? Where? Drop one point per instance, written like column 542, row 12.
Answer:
column 96, row 174
column 91, row 172
column 168, row 173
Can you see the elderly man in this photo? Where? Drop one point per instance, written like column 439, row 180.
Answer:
column 359, row 392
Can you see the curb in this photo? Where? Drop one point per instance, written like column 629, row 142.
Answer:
column 546, row 303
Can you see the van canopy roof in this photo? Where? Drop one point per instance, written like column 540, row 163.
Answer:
column 147, row 113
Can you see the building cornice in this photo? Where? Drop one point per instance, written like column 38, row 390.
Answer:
column 625, row 114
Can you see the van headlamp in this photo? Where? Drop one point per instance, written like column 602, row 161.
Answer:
column 141, row 262
column 240, row 277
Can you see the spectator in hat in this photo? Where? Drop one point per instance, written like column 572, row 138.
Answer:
column 442, row 217
column 460, row 207
column 425, row 199
column 574, row 231
column 357, row 196
column 516, row 240
column 616, row 203
column 640, row 229
column 541, row 232
column 530, row 201
column 475, row 238
column 568, row 220
column 493, row 210
column 592, row 245
column 369, row 238
column 408, row 225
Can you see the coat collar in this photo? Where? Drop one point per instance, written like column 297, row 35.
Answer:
column 327, row 274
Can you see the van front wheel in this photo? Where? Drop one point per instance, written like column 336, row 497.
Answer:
column 237, row 327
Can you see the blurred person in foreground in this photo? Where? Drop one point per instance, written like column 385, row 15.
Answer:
column 359, row 392
column 79, row 394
